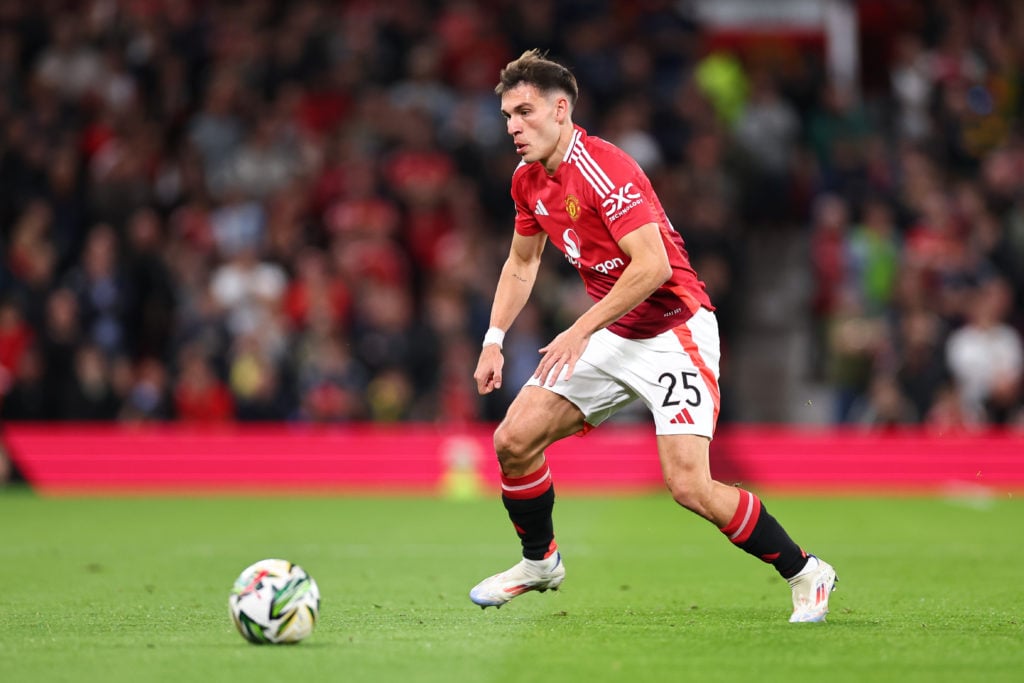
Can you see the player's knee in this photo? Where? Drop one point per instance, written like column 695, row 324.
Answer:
column 512, row 448
column 508, row 445
column 692, row 493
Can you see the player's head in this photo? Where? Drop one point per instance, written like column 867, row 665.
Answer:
column 533, row 68
column 537, row 97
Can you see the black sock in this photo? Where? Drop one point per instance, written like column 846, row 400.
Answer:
column 758, row 533
column 529, row 501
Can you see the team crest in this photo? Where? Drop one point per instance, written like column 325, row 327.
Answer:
column 572, row 205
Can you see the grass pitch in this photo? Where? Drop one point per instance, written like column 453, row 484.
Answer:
column 135, row 589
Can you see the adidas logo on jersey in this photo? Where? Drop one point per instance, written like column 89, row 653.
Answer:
column 540, row 209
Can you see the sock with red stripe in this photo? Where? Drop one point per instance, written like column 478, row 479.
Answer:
column 529, row 501
column 758, row 533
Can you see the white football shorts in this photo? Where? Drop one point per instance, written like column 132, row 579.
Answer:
column 675, row 374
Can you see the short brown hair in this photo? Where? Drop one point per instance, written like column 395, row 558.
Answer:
column 534, row 68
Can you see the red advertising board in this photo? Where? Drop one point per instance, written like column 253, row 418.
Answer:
column 76, row 458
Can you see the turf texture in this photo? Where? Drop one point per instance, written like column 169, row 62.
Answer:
column 135, row 589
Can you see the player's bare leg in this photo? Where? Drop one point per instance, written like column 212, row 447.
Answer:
column 687, row 472
column 536, row 419
column 741, row 516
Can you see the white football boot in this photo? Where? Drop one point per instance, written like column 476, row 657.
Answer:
column 528, row 575
column 811, row 588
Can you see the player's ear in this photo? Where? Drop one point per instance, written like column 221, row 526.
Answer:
column 561, row 109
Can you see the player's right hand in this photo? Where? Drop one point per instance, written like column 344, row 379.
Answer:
column 488, row 369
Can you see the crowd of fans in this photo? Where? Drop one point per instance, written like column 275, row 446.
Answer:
column 253, row 210
column 918, row 229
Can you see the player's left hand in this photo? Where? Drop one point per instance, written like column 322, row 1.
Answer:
column 560, row 356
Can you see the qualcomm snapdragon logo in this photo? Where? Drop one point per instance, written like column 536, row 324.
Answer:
column 571, row 242
column 573, row 253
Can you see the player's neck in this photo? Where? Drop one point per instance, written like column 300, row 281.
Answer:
column 552, row 163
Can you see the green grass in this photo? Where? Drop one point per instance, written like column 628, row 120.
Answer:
column 135, row 589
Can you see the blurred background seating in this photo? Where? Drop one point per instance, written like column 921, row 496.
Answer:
column 218, row 211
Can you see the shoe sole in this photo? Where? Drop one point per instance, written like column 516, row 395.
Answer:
column 484, row 604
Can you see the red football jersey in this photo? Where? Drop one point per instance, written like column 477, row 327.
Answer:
column 597, row 195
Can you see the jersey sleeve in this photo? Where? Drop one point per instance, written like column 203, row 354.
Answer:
column 526, row 223
column 624, row 195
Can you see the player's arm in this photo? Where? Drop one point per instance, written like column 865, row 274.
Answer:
column 648, row 268
column 513, row 291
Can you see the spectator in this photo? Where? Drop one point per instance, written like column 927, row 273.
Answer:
column 920, row 365
column 838, row 132
column 628, row 127
column 91, row 396
column 102, row 293
column 69, row 64
column 217, row 130
column 65, row 193
column 828, row 269
column 199, row 395
column 332, row 383
column 387, row 335
column 872, row 257
column 149, row 309
column 147, row 397
column 256, row 384
column 267, row 161
column 249, row 292
column 986, row 355
column 315, row 292
column 766, row 134
column 61, row 337
column 27, row 398
column 886, row 407
column 949, row 413
column 31, row 261
column 16, row 338
column 856, row 342
column 912, row 82
column 424, row 89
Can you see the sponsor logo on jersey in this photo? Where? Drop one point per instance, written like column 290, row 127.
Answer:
column 572, row 206
column 571, row 242
column 540, row 209
column 610, row 264
column 574, row 253
column 620, row 200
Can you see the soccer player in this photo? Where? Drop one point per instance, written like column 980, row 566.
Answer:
column 650, row 334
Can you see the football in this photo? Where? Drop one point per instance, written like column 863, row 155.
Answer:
column 274, row 601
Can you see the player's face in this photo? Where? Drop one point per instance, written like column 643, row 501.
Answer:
column 534, row 122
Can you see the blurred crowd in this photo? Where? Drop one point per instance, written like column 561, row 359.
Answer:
column 917, row 228
column 259, row 210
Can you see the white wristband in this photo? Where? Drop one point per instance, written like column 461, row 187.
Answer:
column 495, row 335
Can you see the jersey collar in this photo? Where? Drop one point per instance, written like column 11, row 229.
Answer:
column 577, row 140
